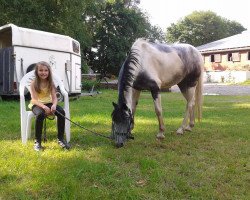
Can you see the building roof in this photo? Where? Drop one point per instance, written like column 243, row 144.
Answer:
column 235, row 42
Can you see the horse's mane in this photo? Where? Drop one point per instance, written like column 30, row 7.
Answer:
column 127, row 73
column 129, row 68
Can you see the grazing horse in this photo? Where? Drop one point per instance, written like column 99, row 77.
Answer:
column 154, row 66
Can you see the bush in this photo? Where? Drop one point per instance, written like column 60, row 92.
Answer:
column 88, row 84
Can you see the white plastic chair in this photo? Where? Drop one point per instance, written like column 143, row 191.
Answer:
column 27, row 115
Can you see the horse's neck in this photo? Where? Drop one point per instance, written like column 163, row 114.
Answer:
column 125, row 96
column 126, row 80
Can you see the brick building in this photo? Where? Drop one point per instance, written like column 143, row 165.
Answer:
column 228, row 59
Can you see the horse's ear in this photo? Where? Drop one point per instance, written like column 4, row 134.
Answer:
column 114, row 104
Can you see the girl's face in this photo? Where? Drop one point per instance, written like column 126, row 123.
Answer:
column 43, row 72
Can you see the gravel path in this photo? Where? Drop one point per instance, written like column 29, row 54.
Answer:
column 210, row 88
column 221, row 89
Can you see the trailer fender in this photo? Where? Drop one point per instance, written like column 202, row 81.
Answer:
column 31, row 67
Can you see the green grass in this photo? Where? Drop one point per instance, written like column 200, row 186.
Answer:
column 211, row 162
column 246, row 82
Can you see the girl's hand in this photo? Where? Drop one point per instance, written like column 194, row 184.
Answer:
column 47, row 110
column 53, row 108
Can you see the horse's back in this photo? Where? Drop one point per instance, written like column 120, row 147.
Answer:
column 187, row 53
column 167, row 64
column 154, row 56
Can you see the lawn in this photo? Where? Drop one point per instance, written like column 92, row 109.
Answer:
column 211, row 162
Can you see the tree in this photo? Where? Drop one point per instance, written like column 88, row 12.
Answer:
column 126, row 3
column 116, row 28
column 65, row 17
column 105, row 28
column 202, row 27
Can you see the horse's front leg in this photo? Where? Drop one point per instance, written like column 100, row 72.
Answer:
column 158, row 110
column 135, row 98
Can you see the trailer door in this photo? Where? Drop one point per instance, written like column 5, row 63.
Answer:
column 78, row 77
column 76, row 73
column 7, row 71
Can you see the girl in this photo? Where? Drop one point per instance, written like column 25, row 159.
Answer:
column 44, row 103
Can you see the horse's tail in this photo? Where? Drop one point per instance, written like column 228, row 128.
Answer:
column 199, row 96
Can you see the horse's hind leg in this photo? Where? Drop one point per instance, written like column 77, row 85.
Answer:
column 158, row 111
column 189, row 95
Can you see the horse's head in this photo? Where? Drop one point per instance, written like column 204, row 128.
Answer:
column 121, row 124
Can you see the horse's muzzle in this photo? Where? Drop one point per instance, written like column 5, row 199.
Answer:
column 119, row 140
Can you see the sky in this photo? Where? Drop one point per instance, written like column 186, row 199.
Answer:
column 165, row 12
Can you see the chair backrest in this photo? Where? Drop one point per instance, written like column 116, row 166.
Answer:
column 25, row 82
column 29, row 77
column 25, row 85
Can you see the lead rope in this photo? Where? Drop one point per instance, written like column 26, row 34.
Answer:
column 79, row 125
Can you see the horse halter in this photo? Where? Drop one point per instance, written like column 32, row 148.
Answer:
column 130, row 120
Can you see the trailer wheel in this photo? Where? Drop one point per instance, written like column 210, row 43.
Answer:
column 31, row 67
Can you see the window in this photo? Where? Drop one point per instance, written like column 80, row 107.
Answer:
column 212, row 58
column 217, row 58
column 236, row 57
column 6, row 38
column 76, row 47
column 248, row 55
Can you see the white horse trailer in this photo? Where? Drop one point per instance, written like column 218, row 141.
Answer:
column 21, row 48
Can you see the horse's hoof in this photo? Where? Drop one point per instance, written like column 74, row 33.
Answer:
column 179, row 131
column 188, row 128
column 191, row 125
column 160, row 136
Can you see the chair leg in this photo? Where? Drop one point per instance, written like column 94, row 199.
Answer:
column 23, row 131
column 67, row 130
column 28, row 126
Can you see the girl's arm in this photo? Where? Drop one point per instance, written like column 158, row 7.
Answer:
column 34, row 98
column 54, row 99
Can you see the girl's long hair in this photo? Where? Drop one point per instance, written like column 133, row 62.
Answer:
column 37, row 82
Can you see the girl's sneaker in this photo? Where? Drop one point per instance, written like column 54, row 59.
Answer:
column 38, row 146
column 63, row 144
